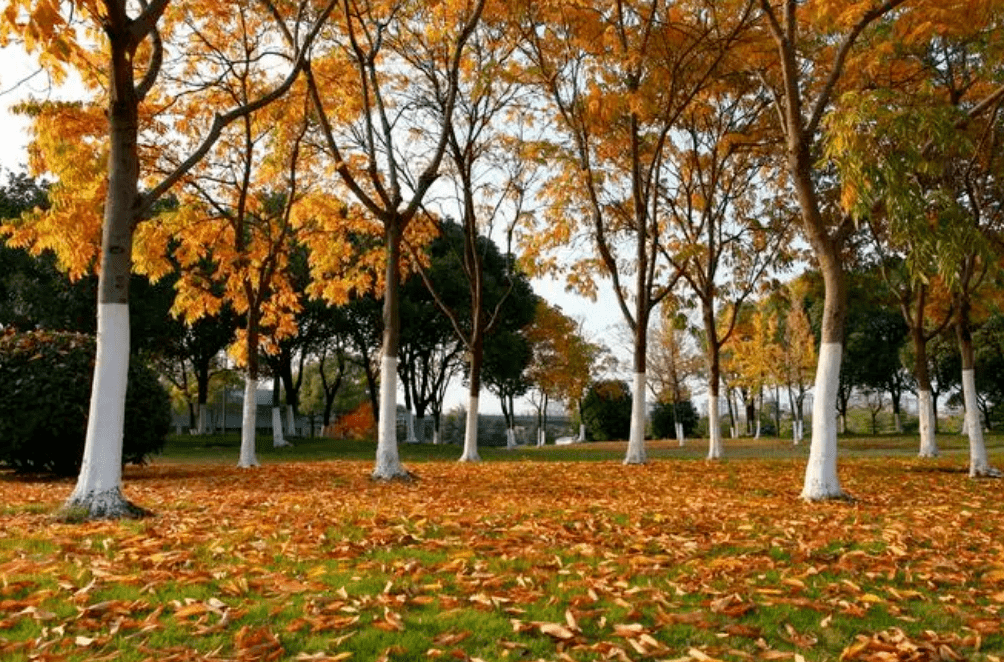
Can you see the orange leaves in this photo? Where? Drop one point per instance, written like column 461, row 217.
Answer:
column 669, row 561
column 894, row 644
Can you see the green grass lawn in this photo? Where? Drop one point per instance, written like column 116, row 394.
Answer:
column 531, row 555
column 224, row 448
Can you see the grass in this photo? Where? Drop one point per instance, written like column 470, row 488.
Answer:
column 516, row 558
column 225, row 448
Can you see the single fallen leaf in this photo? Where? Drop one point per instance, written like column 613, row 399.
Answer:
column 556, row 630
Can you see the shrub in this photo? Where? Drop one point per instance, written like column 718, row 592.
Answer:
column 43, row 414
column 606, row 410
column 358, row 424
column 664, row 419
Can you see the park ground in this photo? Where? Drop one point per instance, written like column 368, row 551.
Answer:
column 516, row 558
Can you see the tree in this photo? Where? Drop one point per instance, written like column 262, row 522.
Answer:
column 797, row 359
column 606, row 410
column 370, row 58
column 617, row 80
column 563, row 360
column 508, row 355
column 727, row 236
column 430, row 352
column 935, row 200
column 671, row 361
column 131, row 52
column 333, row 384
column 232, row 234
column 491, row 176
column 754, row 355
column 825, row 35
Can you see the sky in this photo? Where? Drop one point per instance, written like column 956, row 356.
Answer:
column 600, row 319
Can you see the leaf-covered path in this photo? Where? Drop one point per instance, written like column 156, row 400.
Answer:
column 676, row 560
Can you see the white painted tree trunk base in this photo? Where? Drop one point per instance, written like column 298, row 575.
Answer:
column 435, row 438
column 821, row 481
column 757, row 435
column 290, row 421
column 714, row 429
column 510, row 438
column 278, row 440
column 105, row 504
column 925, row 414
column 679, row 435
column 979, row 464
column 582, row 432
column 204, row 419
column 541, row 437
column 636, row 453
column 470, row 453
column 249, row 456
column 410, row 420
column 98, row 492
column 388, row 462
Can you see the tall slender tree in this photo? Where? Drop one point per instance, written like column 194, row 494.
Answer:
column 121, row 68
column 811, row 46
column 371, row 143
column 616, row 79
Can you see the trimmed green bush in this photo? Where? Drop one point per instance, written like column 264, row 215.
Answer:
column 43, row 412
column 606, row 410
column 663, row 419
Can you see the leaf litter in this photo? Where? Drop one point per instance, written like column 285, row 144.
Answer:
column 592, row 561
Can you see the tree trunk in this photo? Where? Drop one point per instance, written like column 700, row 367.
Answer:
column 249, row 421
column 202, row 385
column 98, row 492
column 248, row 456
column 715, row 447
column 636, row 443
column 290, row 420
column 925, row 414
column 979, row 465
column 278, row 440
column 388, row 463
column 410, row 425
column 420, row 428
column 821, row 480
column 470, row 453
column 714, row 427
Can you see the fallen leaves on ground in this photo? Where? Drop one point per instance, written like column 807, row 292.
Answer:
column 676, row 560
